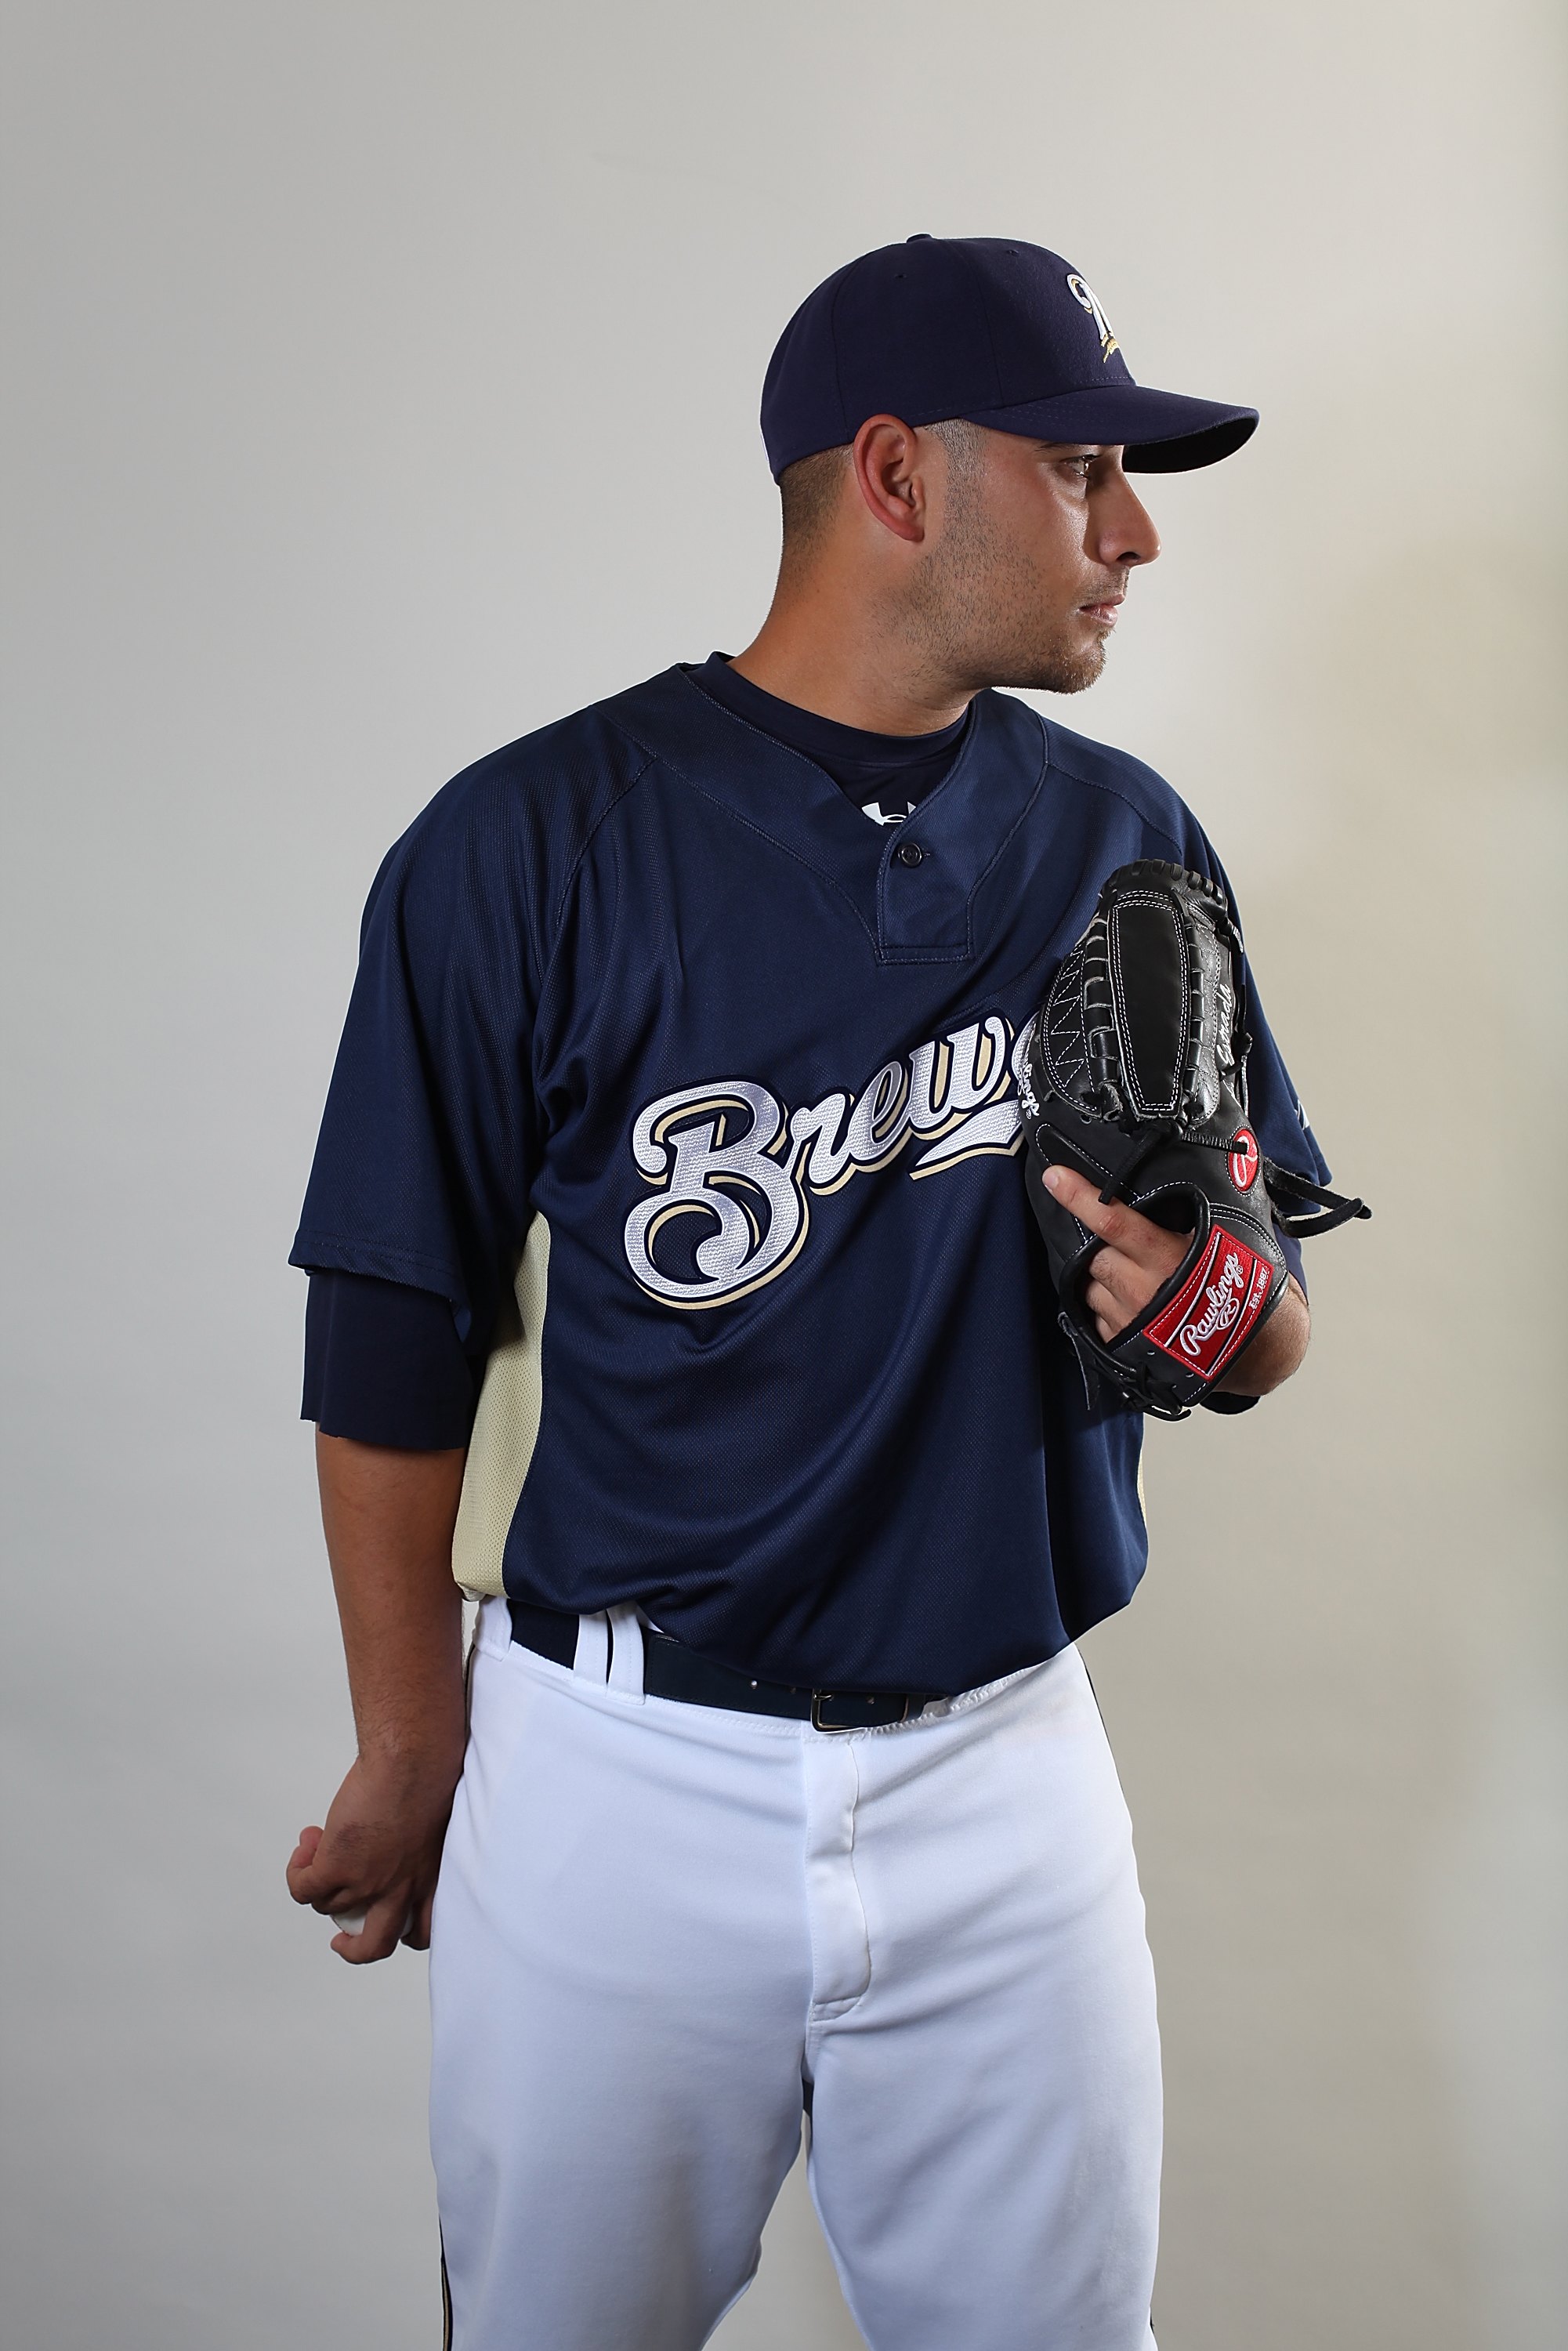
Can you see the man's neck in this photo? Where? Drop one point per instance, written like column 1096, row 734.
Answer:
column 825, row 654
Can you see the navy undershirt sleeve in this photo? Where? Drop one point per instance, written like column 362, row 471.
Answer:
column 384, row 1364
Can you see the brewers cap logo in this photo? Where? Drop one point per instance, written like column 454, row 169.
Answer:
column 1087, row 300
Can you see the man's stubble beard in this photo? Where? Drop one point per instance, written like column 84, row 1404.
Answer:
column 1062, row 669
column 979, row 617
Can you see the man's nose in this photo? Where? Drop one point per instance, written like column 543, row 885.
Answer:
column 1125, row 531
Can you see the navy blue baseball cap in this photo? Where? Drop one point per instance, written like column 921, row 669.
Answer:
column 1000, row 332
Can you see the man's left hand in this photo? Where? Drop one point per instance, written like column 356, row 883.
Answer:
column 1139, row 1255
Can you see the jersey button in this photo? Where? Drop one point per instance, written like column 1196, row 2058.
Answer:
column 909, row 853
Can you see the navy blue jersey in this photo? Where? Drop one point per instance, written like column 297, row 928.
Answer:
column 694, row 1094
column 384, row 1362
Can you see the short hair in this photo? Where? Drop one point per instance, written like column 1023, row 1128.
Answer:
column 811, row 488
column 808, row 493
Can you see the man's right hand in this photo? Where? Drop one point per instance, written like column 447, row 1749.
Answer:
column 389, row 1516
column 378, row 1852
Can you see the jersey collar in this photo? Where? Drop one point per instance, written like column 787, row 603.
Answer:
column 915, row 908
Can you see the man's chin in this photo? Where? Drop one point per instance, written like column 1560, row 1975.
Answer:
column 1062, row 671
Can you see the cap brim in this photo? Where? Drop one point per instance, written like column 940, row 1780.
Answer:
column 1157, row 432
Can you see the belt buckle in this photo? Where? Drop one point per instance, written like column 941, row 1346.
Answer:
column 820, row 1697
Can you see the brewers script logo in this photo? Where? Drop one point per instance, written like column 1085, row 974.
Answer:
column 1087, row 300
column 733, row 1155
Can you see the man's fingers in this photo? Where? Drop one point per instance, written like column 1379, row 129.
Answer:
column 416, row 1934
column 1110, row 1315
column 1081, row 1199
column 1126, row 1282
column 380, row 1935
column 1119, row 1288
column 1149, row 1253
column 321, row 1890
column 337, row 1894
column 307, row 1881
column 319, row 1881
column 372, row 1868
column 303, row 1852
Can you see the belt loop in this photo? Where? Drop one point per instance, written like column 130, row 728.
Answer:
column 592, row 1658
column 626, row 1650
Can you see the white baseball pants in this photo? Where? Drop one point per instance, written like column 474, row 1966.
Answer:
column 656, row 1921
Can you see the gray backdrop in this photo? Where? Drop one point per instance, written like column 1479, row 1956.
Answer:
column 385, row 383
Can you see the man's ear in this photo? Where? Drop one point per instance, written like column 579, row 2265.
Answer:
column 888, row 460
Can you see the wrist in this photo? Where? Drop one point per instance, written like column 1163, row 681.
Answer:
column 415, row 1755
column 1276, row 1352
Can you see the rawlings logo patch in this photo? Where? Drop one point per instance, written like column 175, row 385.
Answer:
column 1217, row 1308
column 1244, row 1157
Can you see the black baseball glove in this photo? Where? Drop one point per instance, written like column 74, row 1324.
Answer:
column 1135, row 1073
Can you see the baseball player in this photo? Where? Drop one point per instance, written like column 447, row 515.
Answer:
column 674, row 1287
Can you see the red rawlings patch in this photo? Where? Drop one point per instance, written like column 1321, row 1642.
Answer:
column 1244, row 1158
column 1217, row 1308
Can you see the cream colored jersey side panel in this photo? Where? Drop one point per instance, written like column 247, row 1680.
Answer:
column 506, row 1425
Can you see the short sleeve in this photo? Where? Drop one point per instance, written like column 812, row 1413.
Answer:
column 429, row 1138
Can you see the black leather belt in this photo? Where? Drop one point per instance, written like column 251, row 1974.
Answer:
column 671, row 1670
